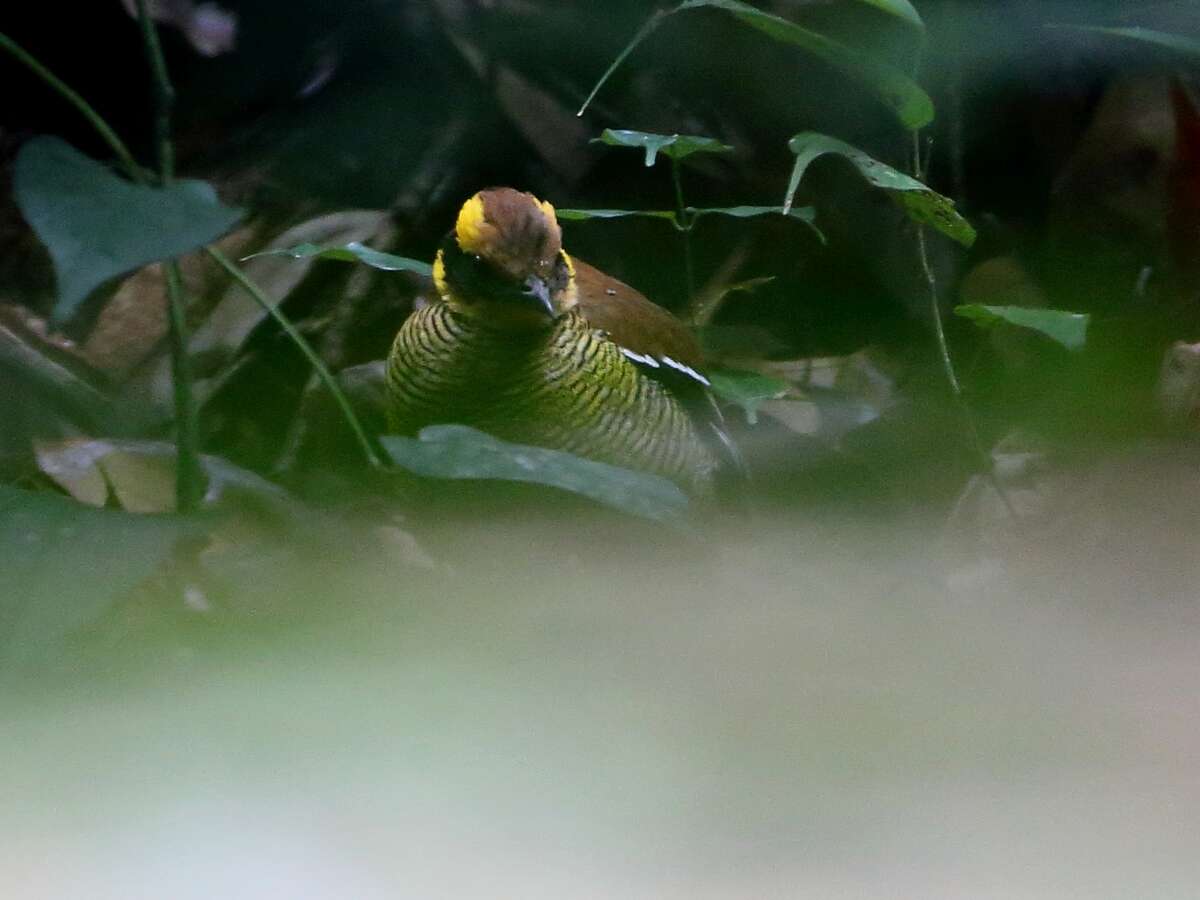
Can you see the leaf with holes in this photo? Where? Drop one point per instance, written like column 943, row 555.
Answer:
column 920, row 202
column 96, row 225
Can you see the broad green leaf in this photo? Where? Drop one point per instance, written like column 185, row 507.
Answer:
column 911, row 105
column 805, row 214
column 63, row 565
column 96, row 225
column 749, row 390
column 900, row 93
column 674, row 146
column 921, row 203
column 351, row 252
column 1174, row 42
column 581, row 215
column 901, row 9
column 1066, row 328
column 459, row 452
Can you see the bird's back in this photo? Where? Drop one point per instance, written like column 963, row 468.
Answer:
column 566, row 387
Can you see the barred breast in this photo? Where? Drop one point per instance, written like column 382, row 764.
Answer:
column 568, row 388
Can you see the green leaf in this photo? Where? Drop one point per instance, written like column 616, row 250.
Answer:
column 900, row 93
column 749, row 390
column 805, row 214
column 582, row 215
column 351, row 252
column 674, row 146
column 96, row 225
column 459, row 452
column 1174, row 42
column 921, row 203
column 901, row 9
column 911, row 105
column 63, row 565
column 1066, row 328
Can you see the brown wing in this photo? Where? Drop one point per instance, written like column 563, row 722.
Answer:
column 632, row 321
column 664, row 348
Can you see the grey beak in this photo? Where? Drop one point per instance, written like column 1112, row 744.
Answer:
column 539, row 293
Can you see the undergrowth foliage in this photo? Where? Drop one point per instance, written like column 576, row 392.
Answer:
column 102, row 220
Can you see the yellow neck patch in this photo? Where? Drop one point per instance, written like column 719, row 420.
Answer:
column 439, row 276
column 570, row 294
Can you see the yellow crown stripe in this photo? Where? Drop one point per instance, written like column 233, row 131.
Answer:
column 472, row 226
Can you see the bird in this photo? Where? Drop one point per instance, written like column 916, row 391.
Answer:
column 536, row 347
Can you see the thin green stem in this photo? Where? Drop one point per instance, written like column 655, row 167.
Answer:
column 685, row 222
column 177, row 307
column 128, row 163
column 189, row 478
column 164, row 94
column 982, row 457
column 642, row 33
column 311, row 355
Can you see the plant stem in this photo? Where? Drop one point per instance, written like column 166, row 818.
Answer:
column 935, row 310
column 86, row 109
column 164, row 95
column 138, row 175
column 189, row 478
column 311, row 355
column 642, row 33
column 982, row 458
column 685, row 226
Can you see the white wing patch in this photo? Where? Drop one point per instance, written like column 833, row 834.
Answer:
column 686, row 370
column 655, row 362
column 638, row 358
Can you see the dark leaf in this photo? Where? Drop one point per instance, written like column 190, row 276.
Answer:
column 1174, row 42
column 911, row 105
column 459, row 452
column 97, row 225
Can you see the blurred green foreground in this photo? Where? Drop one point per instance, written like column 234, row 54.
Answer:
column 795, row 711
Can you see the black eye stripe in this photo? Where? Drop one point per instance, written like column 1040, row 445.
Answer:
column 469, row 271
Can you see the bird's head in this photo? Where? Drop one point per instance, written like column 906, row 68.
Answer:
column 504, row 262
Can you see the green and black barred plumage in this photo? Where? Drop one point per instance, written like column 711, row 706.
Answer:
column 513, row 348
